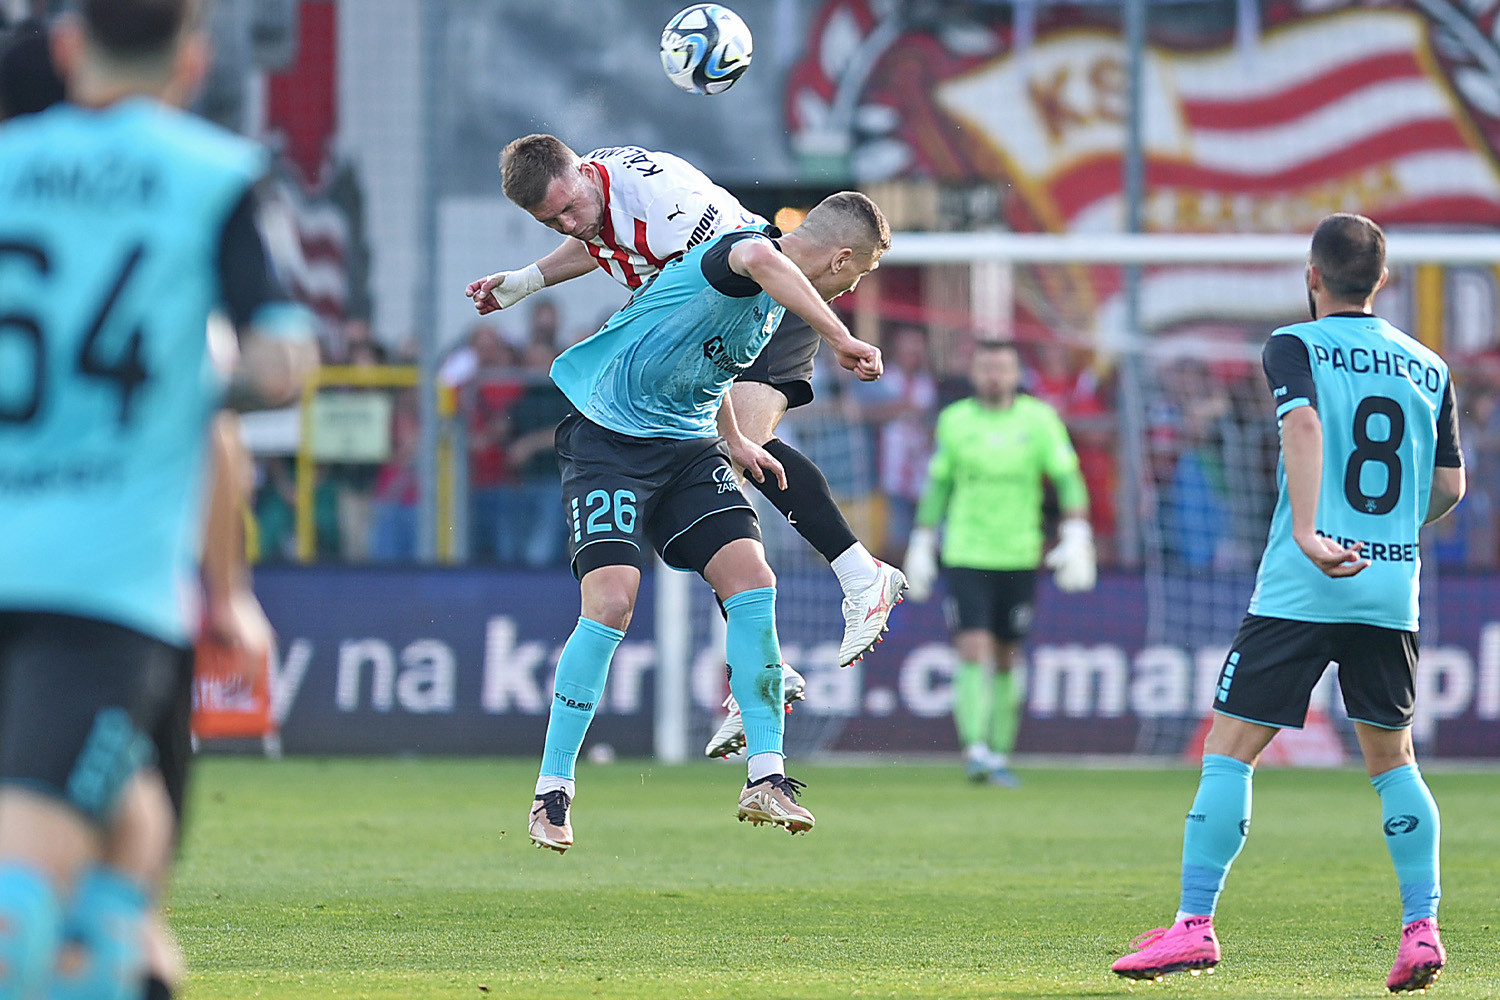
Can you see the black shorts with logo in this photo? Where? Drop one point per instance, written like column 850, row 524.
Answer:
column 1001, row 602
column 79, row 700
column 786, row 362
column 1270, row 672
column 621, row 493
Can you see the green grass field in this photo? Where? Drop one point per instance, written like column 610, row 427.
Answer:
column 414, row 879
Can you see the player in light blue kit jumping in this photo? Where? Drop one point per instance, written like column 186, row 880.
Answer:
column 123, row 224
column 643, row 465
column 1369, row 454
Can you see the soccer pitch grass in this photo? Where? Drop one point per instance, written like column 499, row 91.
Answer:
column 414, row 879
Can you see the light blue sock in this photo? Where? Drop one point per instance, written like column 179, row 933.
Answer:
column 30, row 931
column 581, row 672
column 1409, row 817
column 106, row 921
column 754, row 658
column 1214, row 833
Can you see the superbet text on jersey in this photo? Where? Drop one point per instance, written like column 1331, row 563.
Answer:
column 656, row 208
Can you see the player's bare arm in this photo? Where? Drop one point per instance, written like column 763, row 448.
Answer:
column 749, row 458
column 772, row 271
column 504, row 289
column 1448, row 485
column 234, row 615
column 1302, row 455
column 271, row 372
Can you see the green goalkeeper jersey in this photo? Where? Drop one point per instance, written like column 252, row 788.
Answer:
column 985, row 482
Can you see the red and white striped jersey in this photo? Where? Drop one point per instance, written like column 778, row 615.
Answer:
column 656, row 207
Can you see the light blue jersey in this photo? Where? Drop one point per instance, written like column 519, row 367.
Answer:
column 661, row 364
column 110, row 229
column 1386, row 407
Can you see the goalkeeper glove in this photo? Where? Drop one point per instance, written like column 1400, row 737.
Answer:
column 1072, row 561
column 921, row 567
column 513, row 286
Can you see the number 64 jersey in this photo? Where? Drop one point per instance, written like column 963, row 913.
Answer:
column 115, row 246
column 1387, row 410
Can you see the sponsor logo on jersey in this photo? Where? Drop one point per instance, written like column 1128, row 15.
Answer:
column 713, row 350
column 704, row 228
column 728, row 481
column 1380, row 551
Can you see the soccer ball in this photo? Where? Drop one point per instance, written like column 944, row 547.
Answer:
column 705, row 48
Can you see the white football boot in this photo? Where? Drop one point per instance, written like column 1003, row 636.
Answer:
column 729, row 738
column 865, row 613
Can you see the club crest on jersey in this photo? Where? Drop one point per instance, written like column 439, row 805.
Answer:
column 728, row 481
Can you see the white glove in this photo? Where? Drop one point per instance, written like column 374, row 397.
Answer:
column 921, row 566
column 1072, row 561
column 505, row 288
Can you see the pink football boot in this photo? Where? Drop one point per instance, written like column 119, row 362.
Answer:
column 1189, row 945
column 1419, row 959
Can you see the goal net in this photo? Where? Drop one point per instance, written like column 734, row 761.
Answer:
column 1149, row 346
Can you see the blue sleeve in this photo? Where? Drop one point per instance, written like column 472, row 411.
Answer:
column 1289, row 373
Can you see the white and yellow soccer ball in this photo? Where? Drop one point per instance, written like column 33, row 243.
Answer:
column 705, row 48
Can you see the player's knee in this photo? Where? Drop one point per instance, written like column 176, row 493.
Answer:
column 729, row 579
column 610, row 606
column 1379, row 760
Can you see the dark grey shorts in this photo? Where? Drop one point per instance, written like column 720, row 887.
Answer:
column 1270, row 672
column 786, row 362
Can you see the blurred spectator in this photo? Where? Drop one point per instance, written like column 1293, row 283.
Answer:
column 1197, row 519
column 354, row 482
column 1063, row 378
column 489, row 401
column 483, row 348
column 542, row 325
column 532, row 532
column 393, row 505
column 1468, row 537
column 275, row 505
column 902, row 405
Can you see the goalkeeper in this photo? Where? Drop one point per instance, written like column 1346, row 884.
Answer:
column 985, row 484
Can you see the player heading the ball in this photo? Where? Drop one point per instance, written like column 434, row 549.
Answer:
column 643, row 466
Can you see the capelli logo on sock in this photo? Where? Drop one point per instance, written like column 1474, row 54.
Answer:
column 582, row 706
column 1401, row 824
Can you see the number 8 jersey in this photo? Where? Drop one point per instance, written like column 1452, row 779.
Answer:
column 1387, row 410
column 113, row 228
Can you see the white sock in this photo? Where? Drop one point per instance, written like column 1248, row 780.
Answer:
column 999, row 760
column 763, row 765
column 551, row 783
column 979, row 753
column 855, row 568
